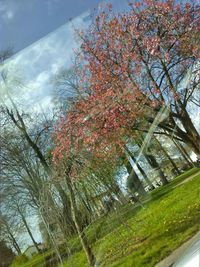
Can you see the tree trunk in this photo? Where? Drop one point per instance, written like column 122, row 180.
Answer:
column 16, row 246
column 28, row 230
column 183, row 152
column 19, row 123
column 168, row 156
column 118, row 192
column 186, row 153
column 66, row 209
column 133, row 181
column 143, row 173
column 88, row 202
column 14, row 242
column 140, row 168
column 154, row 164
column 192, row 133
column 191, row 137
column 88, row 251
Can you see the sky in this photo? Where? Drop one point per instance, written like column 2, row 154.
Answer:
column 36, row 65
column 43, row 40
column 23, row 22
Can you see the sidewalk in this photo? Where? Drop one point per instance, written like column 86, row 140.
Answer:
column 186, row 255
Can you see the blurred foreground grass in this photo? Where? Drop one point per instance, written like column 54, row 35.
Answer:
column 136, row 236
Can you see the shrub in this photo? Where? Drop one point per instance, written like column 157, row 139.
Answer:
column 19, row 260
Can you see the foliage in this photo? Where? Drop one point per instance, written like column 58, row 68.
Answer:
column 136, row 63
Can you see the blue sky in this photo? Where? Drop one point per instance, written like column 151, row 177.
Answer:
column 44, row 26
column 36, row 64
column 22, row 22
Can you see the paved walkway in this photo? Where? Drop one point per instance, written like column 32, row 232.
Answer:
column 187, row 248
column 189, row 253
column 188, row 179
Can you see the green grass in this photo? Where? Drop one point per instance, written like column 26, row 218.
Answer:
column 133, row 236
column 142, row 237
column 38, row 260
column 164, row 189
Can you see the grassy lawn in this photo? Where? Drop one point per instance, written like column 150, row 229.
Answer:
column 38, row 260
column 135, row 236
column 142, row 237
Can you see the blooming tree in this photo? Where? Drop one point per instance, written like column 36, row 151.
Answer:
column 146, row 52
column 133, row 64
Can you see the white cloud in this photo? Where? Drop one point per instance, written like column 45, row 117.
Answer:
column 40, row 61
column 44, row 105
column 8, row 15
column 7, row 10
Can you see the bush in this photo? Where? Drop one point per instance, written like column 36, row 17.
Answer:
column 19, row 260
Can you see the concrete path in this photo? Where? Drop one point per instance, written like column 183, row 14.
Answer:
column 188, row 179
column 187, row 255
